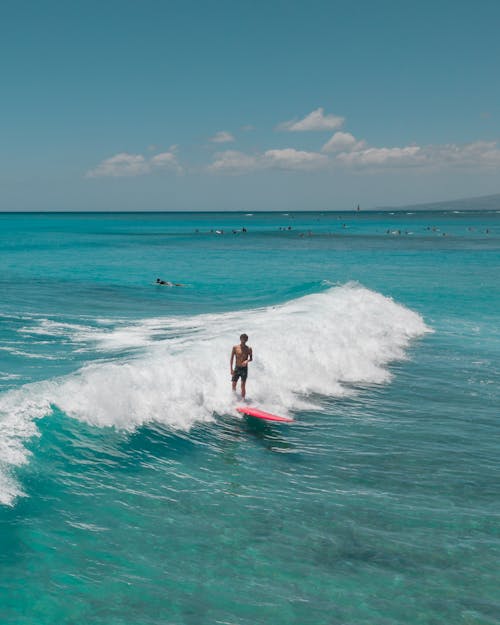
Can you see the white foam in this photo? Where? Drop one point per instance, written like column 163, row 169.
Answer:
column 19, row 352
column 9, row 376
column 102, row 336
column 48, row 327
column 317, row 344
column 17, row 424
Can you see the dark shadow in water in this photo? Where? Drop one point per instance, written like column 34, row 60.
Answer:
column 272, row 436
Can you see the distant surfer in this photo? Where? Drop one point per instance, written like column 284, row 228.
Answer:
column 167, row 283
column 243, row 355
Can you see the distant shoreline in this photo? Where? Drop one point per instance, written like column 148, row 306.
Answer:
column 481, row 203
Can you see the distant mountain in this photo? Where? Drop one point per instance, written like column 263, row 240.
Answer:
column 481, row 203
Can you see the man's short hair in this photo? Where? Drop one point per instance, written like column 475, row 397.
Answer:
column 244, row 336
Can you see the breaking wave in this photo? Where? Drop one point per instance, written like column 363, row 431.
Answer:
column 178, row 370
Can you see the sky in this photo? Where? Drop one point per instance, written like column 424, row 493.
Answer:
column 247, row 105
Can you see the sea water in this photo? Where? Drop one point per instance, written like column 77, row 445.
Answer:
column 132, row 492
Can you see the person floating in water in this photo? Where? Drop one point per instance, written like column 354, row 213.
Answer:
column 167, row 283
column 243, row 355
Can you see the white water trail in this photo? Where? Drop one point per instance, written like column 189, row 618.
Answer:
column 317, row 344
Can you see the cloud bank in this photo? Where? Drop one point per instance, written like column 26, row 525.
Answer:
column 343, row 151
column 357, row 155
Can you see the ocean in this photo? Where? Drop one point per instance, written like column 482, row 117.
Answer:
column 133, row 493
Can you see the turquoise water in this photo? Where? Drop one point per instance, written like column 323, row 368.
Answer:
column 133, row 493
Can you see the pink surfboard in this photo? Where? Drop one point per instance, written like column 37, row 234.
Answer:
column 260, row 414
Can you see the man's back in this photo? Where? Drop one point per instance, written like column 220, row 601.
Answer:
column 242, row 353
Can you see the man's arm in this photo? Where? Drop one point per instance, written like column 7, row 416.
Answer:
column 250, row 355
column 233, row 354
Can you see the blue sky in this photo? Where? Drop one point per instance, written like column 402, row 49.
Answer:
column 183, row 105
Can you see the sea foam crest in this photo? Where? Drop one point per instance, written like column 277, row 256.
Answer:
column 317, row 344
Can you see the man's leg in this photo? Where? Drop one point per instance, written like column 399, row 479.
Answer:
column 243, row 388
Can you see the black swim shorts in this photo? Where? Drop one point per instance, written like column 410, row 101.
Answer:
column 240, row 372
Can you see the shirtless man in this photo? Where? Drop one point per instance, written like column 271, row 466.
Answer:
column 243, row 355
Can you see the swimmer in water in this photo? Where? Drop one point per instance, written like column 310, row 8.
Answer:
column 167, row 283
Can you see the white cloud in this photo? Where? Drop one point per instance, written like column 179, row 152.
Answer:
column 316, row 120
column 479, row 154
column 286, row 159
column 342, row 142
column 482, row 154
column 289, row 158
column 410, row 155
column 127, row 165
column 122, row 164
column 167, row 160
column 232, row 161
column 348, row 151
column 222, row 137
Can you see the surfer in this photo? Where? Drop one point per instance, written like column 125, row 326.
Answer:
column 167, row 283
column 243, row 355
